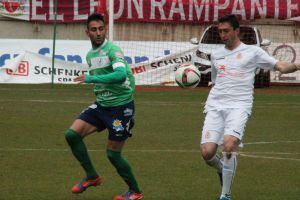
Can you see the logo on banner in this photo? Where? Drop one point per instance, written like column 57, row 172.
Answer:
column 22, row 70
column 12, row 7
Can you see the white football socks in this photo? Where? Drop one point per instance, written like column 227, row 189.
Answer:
column 229, row 168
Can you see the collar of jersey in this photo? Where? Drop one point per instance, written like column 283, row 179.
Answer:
column 236, row 49
column 104, row 43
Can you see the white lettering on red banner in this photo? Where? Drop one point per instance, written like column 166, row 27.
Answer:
column 173, row 11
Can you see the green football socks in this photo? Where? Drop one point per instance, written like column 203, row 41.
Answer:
column 79, row 150
column 124, row 169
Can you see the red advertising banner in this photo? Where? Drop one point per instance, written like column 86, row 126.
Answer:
column 173, row 11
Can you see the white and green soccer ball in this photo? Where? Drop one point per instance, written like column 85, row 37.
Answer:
column 187, row 76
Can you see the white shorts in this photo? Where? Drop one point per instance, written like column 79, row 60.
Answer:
column 229, row 121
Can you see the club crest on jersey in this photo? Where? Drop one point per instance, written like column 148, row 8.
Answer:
column 117, row 125
column 239, row 56
column 100, row 62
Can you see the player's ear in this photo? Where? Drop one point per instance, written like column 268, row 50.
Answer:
column 237, row 30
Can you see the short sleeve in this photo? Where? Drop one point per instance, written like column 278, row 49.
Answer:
column 264, row 60
column 116, row 55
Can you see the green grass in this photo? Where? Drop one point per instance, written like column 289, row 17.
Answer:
column 35, row 163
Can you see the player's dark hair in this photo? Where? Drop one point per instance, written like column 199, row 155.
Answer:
column 231, row 19
column 95, row 17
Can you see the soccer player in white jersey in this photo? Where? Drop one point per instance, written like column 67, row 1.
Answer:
column 229, row 103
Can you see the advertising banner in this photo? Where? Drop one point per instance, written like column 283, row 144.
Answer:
column 172, row 11
column 29, row 61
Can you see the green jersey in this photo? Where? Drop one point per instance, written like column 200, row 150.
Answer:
column 111, row 74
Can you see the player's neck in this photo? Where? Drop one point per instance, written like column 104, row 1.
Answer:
column 234, row 45
column 97, row 45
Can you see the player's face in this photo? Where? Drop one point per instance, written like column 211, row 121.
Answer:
column 96, row 31
column 227, row 34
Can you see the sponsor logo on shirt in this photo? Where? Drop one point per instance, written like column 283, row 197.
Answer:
column 222, row 67
column 106, row 94
column 222, row 72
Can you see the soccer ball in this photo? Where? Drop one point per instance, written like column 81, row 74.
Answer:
column 187, row 76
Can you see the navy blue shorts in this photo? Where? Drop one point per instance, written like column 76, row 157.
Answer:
column 118, row 120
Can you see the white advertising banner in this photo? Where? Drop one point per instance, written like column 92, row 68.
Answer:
column 76, row 50
column 30, row 67
column 71, row 53
column 151, row 62
column 160, row 71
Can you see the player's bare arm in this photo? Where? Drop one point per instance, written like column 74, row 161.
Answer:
column 79, row 79
column 286, row 67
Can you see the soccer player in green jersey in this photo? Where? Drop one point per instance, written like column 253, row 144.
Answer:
column 113, row 110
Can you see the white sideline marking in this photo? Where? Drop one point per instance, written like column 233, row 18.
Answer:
column 272, row 142
column 147, row 151
column 152, row 103
column 167, row 150
column 268, row 157
column 271, row 153
column 163, row 150
column 244, row 154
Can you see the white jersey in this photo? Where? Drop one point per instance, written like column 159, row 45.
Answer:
column 233, row 74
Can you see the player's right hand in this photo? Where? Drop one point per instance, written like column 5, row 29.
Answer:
column 79, row 79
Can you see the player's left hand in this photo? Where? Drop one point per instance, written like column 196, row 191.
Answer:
column 79, row 79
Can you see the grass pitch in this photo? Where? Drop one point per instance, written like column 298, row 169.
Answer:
column 36, row 164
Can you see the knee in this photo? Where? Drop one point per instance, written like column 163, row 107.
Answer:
column 206, row 153
column 112, row 155
column 230, row 146
column 71, row 136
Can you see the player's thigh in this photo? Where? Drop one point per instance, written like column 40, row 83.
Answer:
column 82, row 127
column 89, row 121
column 213, row 128
column 235, row 122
